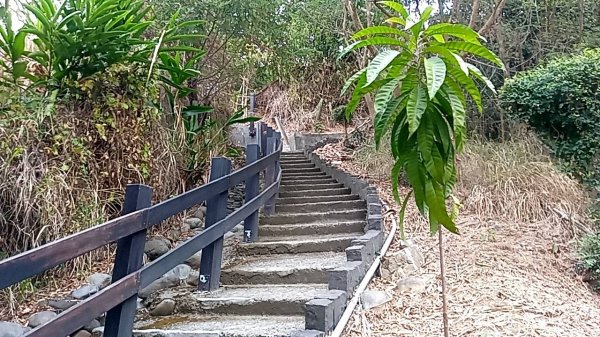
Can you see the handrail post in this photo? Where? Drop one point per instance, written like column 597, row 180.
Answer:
column 270, row 177
column 263, row 139
column 216, row 210
column 252, row 189
column 129, row 258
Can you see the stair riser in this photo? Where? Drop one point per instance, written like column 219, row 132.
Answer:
column 306, row 200
column 295, row 161
column 350, row 215
column 336, row 245
column 320, row 207
column 317, row 175
column 311, row 187
column 297, row 277
column 300, row 170
column 315, row 193
column 308, row 181
column 286, row 166
column 334, row 228
column 250, row 308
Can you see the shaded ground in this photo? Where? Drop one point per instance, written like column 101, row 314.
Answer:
column 504, row 279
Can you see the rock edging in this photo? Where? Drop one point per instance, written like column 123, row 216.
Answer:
column 324, row 312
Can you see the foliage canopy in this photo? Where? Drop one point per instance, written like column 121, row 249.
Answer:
column 561, row 102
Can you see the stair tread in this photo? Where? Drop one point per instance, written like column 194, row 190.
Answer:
column 296, row 239
column 289, row 262
column 263, row 293
column 221, row 326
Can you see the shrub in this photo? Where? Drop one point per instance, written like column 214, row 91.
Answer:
column 589, row 251
column 561, row 102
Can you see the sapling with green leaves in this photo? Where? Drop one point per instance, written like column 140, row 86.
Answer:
column 420, row 79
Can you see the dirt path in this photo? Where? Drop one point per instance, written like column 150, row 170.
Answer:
column 505, row 279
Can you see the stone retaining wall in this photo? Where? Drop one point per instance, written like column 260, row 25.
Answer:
column 323, row 313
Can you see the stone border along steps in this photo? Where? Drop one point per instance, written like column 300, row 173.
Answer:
column 296, row 280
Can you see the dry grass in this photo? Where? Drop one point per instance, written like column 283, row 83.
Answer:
column 508, row 274
column 517, row 181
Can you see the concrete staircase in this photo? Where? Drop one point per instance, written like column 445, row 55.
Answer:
column 265, row 291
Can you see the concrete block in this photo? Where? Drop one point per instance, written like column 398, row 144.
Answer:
column 357, row 253
column 374, row 208
column 374, row 222
column 347, row 277
column 339, row 298
column 318, row 315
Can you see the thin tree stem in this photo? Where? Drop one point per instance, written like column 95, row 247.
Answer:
column 443, row 275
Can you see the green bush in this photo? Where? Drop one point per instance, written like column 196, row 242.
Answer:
column 589, row 253
column 561, row 102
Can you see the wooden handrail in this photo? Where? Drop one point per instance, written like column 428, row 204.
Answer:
column 122, row 293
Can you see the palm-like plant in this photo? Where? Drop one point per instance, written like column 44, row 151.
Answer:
column 421, row 80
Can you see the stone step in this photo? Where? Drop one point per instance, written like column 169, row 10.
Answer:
column 304, row 176
column 323, row 198
column 280, row 299
column 292, row 154
column 312, row 228
column 306, row 187
column 283, row 269
column 315, row 193
column 286, row 166
column 299, row 244
column 294, row 161
column 219, row 326
column 324, row 180
column 291, row 171
column 324, row 206
column 329, row 216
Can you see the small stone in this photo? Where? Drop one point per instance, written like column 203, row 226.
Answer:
column 413, row 284
column 200, row 213
column 194, row 260
column 98, row 332
column 40, row 318
column 61, row 304
column 82, row 333
column 193, row 278
column 140, row 304
column 10, row 329
column 164, row 308
column 181, row 271
column 374, row 298
column 92, row 325
column 84, row 291
column 193, row 222
column 161, row 283
column 100, row 279
column 185, row 228
column 156, row 247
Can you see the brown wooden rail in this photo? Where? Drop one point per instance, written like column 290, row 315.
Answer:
column 118, row 300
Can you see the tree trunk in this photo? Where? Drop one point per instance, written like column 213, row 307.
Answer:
column 491, row 21
column 441, row 5
column 581, row 19
column 474, row 14
column 455, row 11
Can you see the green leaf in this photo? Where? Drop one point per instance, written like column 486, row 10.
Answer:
column 459, row 117
column 352, row 79
column 385, row 107
column 396, row 6
column 402, row 214
column 480, row 76
column 437, row 207
column 416, row 177
column 396, row 20
column 19, row 69
column 435, row 70
column 457, row 30
column 18, row 47
column 462, row 64
column 465, row 81
column 415, row 107
column 475, row 49
column 376, row 30
column 431, row 156
column 357, row 95
column 373, row 41
column 379, row 63
column 395, row 178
